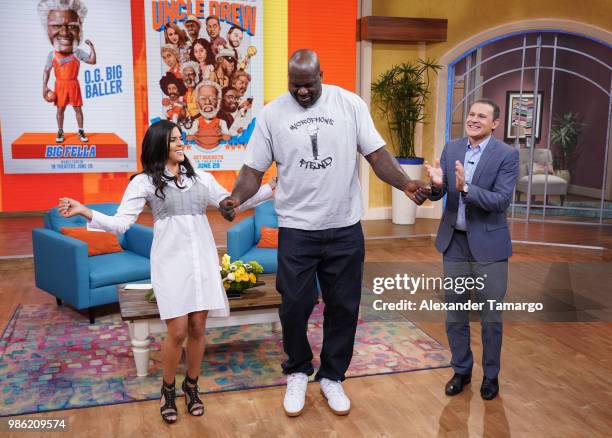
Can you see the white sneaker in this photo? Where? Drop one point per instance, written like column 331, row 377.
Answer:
column 337, row 400
column 295, row 395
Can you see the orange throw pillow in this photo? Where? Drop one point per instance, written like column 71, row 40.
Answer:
column 98, row 242
column 269, row 238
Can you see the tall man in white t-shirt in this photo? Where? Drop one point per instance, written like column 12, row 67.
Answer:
column 315, row 134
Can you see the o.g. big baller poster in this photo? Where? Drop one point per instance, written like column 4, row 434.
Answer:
column 67, row 86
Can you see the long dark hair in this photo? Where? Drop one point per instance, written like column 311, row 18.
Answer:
column 210, row 57
column 155, row 152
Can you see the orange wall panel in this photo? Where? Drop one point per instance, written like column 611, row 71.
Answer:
column 22, row 192
column 329, row 28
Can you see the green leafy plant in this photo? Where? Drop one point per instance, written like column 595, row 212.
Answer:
column 564, row 133
column 400, row 94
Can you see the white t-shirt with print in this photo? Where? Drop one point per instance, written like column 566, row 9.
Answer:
column 316, row 152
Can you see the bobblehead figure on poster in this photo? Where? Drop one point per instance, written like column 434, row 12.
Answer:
column 63, row 20
column 208, row 130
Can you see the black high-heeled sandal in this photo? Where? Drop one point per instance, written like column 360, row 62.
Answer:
column 195, row 406
column 168, row 409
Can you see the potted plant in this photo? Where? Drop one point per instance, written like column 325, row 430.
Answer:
column 564, row 134
column 400, row 94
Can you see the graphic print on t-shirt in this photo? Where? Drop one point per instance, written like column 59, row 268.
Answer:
column 312, row 132
column 312, row 127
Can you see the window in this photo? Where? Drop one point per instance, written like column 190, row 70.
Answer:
column 563, row 176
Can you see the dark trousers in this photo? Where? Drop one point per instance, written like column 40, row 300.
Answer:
column 336, row 257
column 460, row 263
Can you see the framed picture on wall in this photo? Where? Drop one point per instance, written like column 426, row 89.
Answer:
column 520, row 115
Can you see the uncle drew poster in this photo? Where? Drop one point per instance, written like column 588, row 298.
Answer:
column 205, row 73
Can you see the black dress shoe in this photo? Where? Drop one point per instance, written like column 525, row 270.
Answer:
column 489, row 388
column 456, row 383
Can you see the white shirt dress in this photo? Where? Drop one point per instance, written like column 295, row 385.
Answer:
column 184, row 261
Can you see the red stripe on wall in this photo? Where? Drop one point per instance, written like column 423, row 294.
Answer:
column 139, row 50
column 2, row 183
column 329, row 28
column 39, row 191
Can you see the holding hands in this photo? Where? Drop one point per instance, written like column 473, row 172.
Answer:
column 69, row 207
column 227, row 208
column 417, row 191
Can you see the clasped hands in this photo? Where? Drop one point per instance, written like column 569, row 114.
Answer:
column 436, row 175
column 417, row 191
column 227, row 208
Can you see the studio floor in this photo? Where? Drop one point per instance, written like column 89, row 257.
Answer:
column 556, row 368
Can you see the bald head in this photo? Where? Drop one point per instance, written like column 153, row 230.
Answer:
column 305, row 77
column 304, row 59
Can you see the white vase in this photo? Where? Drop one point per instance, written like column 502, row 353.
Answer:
column 403, row 209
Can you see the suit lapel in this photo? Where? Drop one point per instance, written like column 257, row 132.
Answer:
column 486, row 156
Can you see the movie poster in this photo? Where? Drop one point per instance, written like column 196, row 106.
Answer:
column 205, row 73
column 67, row 86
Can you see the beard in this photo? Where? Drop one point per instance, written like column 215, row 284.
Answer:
column 57, row 46
column 189, row 82
column 209, row 114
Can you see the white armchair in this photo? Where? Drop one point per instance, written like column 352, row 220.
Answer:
column 542, row 160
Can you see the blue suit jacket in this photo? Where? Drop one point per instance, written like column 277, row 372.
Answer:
column 489, row 196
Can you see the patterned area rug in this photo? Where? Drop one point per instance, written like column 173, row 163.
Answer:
column 51, row 358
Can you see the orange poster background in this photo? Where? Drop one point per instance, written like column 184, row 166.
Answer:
column 311, row 24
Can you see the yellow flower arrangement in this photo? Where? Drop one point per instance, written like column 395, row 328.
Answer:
column 238, row 276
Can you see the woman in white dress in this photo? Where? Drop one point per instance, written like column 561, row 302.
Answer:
column 184, row 261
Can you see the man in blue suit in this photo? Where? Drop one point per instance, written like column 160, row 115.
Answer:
column 478, row 175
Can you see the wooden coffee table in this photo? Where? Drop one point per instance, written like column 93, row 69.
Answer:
column 257, row 305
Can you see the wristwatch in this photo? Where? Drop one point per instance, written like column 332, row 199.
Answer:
column 465, row 189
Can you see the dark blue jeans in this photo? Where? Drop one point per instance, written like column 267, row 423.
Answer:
column 459, row 262
column 334, row 256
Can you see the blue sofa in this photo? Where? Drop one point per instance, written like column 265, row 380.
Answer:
column 63, row 268
column 242, row 238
